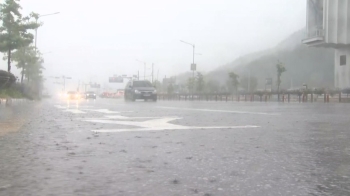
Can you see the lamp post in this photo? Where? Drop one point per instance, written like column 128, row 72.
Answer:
column 36, row 30
column 193, row 66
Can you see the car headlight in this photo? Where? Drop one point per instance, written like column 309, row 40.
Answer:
column 154, row 92
column 137, row 92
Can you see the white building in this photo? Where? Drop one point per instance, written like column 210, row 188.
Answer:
column 328, row 25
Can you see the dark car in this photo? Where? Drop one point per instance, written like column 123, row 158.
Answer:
column 90, row 95
column 140, row 89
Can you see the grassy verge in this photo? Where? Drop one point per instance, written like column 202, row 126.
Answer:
column 10, row 93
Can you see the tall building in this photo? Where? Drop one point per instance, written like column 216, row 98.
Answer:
column 328, row 25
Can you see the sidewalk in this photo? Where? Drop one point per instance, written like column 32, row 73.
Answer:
column 14, row 116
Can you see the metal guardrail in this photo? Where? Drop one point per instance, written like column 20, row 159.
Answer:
column 297, row 96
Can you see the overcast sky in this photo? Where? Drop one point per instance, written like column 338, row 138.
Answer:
column 91, row 40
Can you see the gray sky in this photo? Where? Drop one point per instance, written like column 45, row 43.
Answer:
column 91, row 40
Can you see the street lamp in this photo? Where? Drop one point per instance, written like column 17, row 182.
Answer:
column 193, row 66
column 36, row 30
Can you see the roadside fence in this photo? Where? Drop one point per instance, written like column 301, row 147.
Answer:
column 301, row 97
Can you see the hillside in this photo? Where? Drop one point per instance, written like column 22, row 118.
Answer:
column 305, row 65
column 312, row 66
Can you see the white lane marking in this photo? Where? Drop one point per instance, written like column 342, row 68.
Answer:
column 171, row 128
column 72, row 106
column 223, row 111
column 106, row 111
column 123, row 118
column 74, row 111
column 149, row 123
column 156, row 125
column 60, row 107
column 126, row 117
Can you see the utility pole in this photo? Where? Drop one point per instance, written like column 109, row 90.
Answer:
column 193, row 65
column 157, row 75
column 152, row 72
column 144, row 73
column 144, row 69
column 249, row 81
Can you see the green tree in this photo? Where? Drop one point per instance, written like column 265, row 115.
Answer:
column 28, row 60
column 33, row 71
column 223, row 88
column 200, row 85
column 158, row 85
column 234, row 81
column 170, row 89
column 280, row 69
column 14, row 29
column 190, row 84
column 212, row 86
column 249, row 83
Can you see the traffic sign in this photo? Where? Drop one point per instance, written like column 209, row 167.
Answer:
column 116, row 80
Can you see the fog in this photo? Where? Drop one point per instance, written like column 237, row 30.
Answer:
column 92, row 40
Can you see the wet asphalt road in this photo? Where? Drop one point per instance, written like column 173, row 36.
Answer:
column 109, row 147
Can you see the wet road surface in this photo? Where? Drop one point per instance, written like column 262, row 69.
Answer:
column 109, row 147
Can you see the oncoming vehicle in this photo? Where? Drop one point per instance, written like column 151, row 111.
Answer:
column 72, row 95
column 140, row 89
column 90, row 95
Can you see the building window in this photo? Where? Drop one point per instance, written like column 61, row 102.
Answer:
column 342, row 60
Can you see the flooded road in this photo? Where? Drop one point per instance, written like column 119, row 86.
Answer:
column 112, row 147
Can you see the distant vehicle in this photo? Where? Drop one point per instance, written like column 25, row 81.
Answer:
column 140, row 89
column 106, row 95
column 90, row 95
column 119, row 93
column 72, row 95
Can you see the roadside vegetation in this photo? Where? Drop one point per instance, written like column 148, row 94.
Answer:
column 17, row 44
column 234, row 84
column 11, row 93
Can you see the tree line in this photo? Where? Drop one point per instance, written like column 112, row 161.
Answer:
column 203, row 84
column 16, row 41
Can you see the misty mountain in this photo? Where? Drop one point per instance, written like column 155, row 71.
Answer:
column 305, row 65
